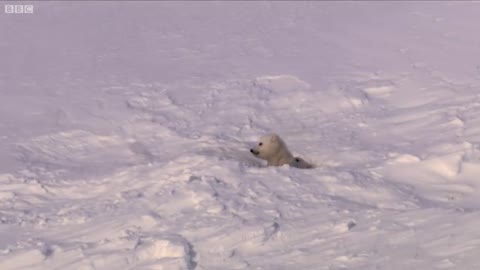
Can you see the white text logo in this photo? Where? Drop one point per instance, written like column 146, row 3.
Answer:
column 18, row 9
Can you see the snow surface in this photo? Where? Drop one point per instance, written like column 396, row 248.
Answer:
column 125, row 129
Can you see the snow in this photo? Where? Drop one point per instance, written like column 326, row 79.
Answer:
column 125, row 129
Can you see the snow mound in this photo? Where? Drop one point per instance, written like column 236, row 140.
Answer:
column 76, row 150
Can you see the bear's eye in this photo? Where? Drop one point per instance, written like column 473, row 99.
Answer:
column 297, row 160
column 260, row 144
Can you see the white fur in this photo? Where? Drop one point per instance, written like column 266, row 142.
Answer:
column 274, row 150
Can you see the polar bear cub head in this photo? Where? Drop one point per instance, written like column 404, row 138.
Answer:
column 299, row 162
column 274, row 150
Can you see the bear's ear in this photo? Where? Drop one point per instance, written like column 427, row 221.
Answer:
column 274, row 138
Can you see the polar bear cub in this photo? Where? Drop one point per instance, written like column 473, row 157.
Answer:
column 274, row 150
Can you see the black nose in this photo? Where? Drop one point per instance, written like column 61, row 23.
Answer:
column 251, row 150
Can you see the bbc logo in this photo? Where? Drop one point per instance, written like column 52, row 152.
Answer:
column 18, row 9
